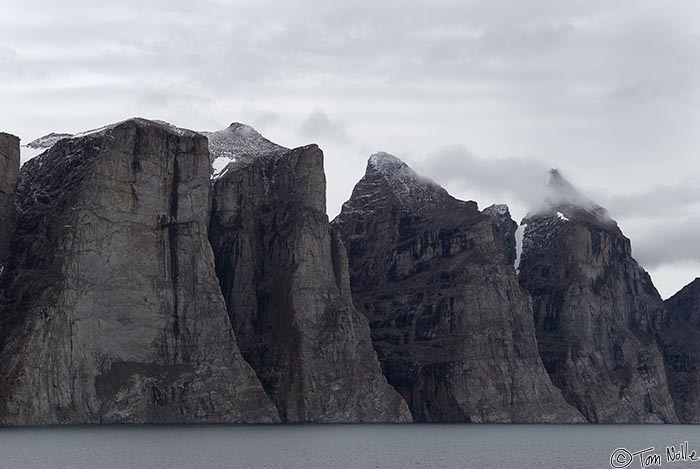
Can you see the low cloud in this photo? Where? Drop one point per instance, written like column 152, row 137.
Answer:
column 661, row 221
column 606, row 90
column 672, row 242
column 318, row 125
column 661, row 201
column 516, row 179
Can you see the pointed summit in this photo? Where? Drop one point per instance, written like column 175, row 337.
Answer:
column 597, row 312
column 563, row 200
column 284, row 276
column 236, row 143
column 562, row 192
column 388, row 163
column 408, row 187
column 435, row 278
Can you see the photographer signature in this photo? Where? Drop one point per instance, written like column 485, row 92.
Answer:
column 622, row 457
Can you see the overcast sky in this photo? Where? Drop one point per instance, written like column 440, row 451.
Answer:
column 482, row 96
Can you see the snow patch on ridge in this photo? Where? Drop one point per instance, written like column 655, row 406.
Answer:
column 40, row 145
column 47, row 141
column 565, row 202
column 519, row 236
column 237, row 143
column 408, row 186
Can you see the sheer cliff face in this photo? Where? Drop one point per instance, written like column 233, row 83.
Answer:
column 435, row 276
column 9, row 172
column 284, row 275
column 680, row 340
column 596, row 311
column 112, row 311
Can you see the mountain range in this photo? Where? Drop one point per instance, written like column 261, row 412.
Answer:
column 153, row 274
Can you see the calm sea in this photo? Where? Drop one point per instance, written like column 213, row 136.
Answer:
column 345, row 446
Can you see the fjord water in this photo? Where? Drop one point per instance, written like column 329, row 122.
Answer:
column 338, row 446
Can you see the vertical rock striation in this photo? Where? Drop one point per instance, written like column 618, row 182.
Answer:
column 9, row 172
column 597, row 313
column 451, row 325
column 284, row 275
column 680, row 340
column 112, row 310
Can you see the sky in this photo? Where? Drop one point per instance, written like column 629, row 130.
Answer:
column 482, row 96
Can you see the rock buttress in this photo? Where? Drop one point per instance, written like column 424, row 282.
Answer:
column 284, row 276
column 450, row 323
column 597, row 313
column 113, row 312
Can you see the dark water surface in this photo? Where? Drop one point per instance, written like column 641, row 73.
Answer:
column 342, row 446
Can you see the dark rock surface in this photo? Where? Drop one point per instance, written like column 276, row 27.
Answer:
column 9, row 172
column 112, row 310
column 680, row 340
column 684, row 306
column 452, row 327
column 284, row 275
column 114, row 307
column 597, row 313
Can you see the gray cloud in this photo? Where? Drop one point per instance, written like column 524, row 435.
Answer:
column 662, row 220
column 516, row 179
column 673, row 242
column 659, row 201
column 319, row 125
column 608, row 90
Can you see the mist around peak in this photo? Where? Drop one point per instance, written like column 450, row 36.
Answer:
column 563, row 200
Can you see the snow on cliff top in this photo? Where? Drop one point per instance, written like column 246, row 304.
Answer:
column 38, row 146
column 409, row 187
column 237, row 142
column 47, row 141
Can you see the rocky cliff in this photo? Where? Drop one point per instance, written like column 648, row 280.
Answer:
column 9, row 172
column 451, row 325
column 680, row 340
column 597, row 313
column 155, row 274
column 284, row 276
column 112, row 311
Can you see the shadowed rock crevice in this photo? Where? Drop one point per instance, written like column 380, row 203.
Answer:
column 172, row 246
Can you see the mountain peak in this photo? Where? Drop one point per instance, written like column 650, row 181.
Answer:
column 238, row 142
column 564, row 200
column 410, row 188
column 393, row 168
column 243, row 129
column 555, row 177
column 383, row 161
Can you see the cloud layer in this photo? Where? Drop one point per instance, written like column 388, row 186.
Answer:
column 663, row 221
column 607, row 90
